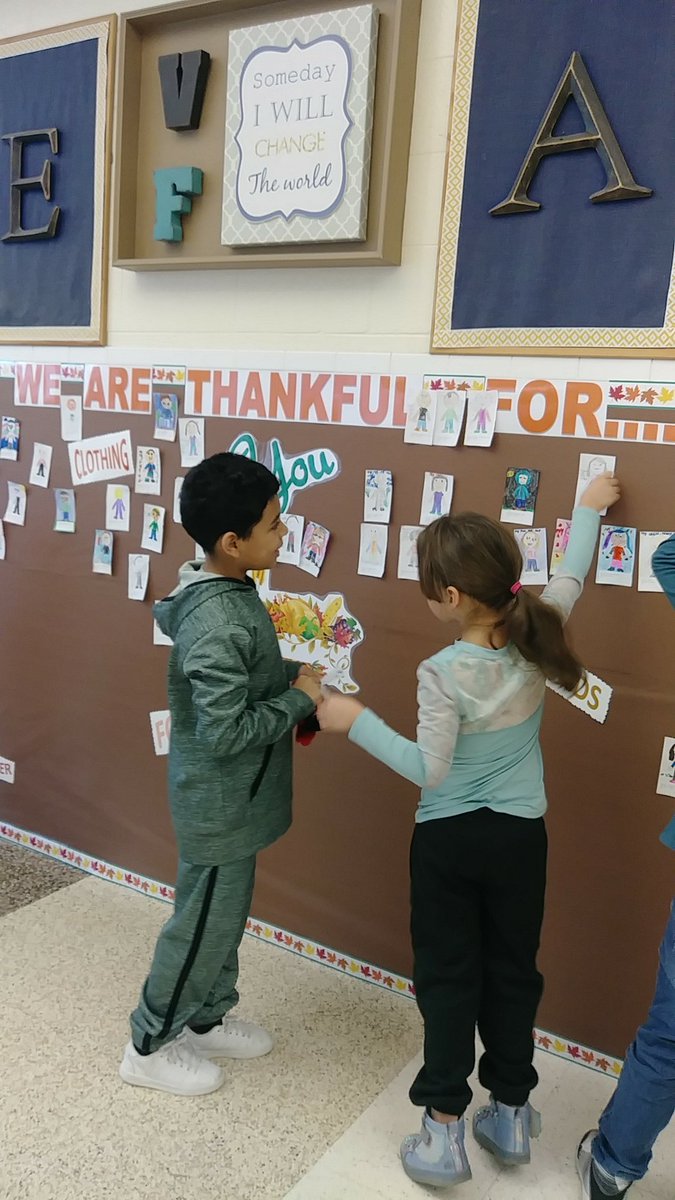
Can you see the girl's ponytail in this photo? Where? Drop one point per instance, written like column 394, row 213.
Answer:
column 480, row 558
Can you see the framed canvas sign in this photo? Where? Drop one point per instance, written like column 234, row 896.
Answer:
column 559, row 212
column 55, row 94
column 298, row 129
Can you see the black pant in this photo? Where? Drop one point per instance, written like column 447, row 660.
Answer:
column 478, row 884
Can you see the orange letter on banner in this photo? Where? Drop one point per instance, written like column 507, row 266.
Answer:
column 95, row 397
column 51, row 383
column 344, row 387
column 253, row 400
column 198, row 378
column 582, row 401
column 118, row 382
column 399, row 400
column 224, row 391
column 283, row 395
column 312, row 398
column 28, row 379
column 538, row 387
column 379, row 415
column 140, row 390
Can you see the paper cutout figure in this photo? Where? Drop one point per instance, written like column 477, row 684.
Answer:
column 450, row 409
column 665, row 784
column 139, row 574
column 71, row 418
column 520, row 496
column 590, row 466
column 148, row 471
column 378, row 494
column 649, row 542
column 10, row 434
column 532, row 544
column 191, row 433
column 117, row 507
column 592, row 697
column 64, row 520
column 373, row 550
column 481, row 418
column 407, row 552
column 103, row 552
column 313, row 629
column 153, row 528
column 560, row 540
column 3, row 543
column 314, row 547
column 15, row 513
column 177, row 488
column 420, row 420
column 291, row 547
column 165, row 405
column 41, row 466
column 436, row 497
column 616, row 560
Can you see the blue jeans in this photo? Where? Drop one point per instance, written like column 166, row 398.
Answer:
column 644, row 1100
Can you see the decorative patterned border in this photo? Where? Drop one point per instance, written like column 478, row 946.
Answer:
column 303, row 947
column 445, row 339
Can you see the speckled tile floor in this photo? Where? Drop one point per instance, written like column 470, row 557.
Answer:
column 320, row 1119
column 25, row 877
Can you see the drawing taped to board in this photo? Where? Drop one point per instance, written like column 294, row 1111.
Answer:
column 103, row 552
column 312, row 629
column 153, row 528
column 649, row 543
column 481, row 418
column 291, row 547
column 314, row 547
column 450, row 409
column 15, row 513
column 436, row 497
column 520, row 496
column 117, row 507
column 71, row 418
column 533, row 547
column 665, row 784
column 165, row 406
column 378, row 492
column 590, row 467
column 420, row 420
column 408, row 565
column 592, row 697
column 616, row 558
column 560, row 540
column 41, row 466
column 64, row 501
column 139, row 574
column 148, row 471
column 10, row 434
column 191, row 436
column 373, row 550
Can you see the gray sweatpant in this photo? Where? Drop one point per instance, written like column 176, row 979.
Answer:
column 194, row 972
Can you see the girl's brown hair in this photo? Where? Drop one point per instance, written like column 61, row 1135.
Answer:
column 481, row 559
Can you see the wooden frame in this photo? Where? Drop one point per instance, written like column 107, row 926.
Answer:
column 103, row 28
column 141, row 138
column 606, row 342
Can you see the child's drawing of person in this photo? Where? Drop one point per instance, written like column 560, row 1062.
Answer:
column 439, row 490
column 617, row 546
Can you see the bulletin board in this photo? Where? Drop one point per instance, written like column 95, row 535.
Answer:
column 81, row 675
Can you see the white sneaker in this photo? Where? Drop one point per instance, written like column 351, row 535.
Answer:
column 173, row 1068
column 231, row 1039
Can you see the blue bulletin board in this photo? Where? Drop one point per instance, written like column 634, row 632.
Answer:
column 54, row 101
column 559, row 269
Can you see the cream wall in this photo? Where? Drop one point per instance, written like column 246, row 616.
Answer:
column 259, row 315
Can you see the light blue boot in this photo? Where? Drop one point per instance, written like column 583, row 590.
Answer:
column 505, row 1132
column 436, row 1156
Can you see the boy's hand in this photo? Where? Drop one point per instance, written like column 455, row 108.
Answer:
column 310, row 686
column 602, row 493
column 338, row 713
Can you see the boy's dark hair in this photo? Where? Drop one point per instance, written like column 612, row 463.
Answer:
column 226, row 493
column 480, row 558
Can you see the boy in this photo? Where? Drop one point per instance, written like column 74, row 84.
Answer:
column 234, row 704
column 611, row 1158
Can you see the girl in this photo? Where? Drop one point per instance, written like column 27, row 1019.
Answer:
column 478, row 856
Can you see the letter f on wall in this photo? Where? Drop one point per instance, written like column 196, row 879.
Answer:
column 175, row 187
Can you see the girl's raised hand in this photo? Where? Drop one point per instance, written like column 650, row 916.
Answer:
column 338, row 713
column 602, row 493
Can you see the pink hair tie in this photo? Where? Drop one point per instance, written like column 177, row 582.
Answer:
column 516, row 588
